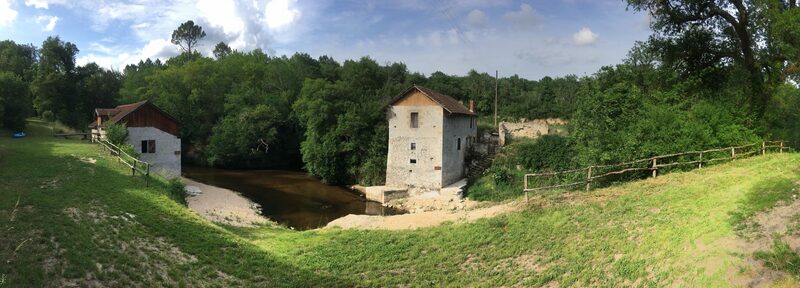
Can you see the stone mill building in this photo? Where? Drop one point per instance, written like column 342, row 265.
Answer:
column 429, row 135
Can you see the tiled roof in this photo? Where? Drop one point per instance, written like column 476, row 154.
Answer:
column 448, row 103
column 124, row 110
column 116, row 114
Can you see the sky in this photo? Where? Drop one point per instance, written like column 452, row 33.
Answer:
column 532, row 39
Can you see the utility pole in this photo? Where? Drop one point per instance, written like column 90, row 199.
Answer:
column 495, row 97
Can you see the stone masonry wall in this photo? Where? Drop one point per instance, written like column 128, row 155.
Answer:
column 456, row 127
column 400, row 172
column 529, row 129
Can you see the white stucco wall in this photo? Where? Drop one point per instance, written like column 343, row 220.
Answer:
column 167, row 159
column 98, row 134
column 456, row 127
column 428, row 153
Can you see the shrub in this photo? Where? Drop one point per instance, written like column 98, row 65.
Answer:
column 547, row 153
column 177, row 190
column 130, row 150
column 48, row 116
column 501, row 176
column 116, row 133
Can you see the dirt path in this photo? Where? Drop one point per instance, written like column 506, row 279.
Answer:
column 770, row 225
column 223, row 205
column 422, row 219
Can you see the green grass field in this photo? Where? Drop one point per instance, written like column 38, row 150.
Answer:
column 66, row 221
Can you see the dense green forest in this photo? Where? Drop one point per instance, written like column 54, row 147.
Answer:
column 710, row 75
column 252, row 110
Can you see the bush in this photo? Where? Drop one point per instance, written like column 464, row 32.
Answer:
column 547, row 153
column 130, row 150
column 116, row 133
column 501, row 176
column 48, row 116
column 177, row 190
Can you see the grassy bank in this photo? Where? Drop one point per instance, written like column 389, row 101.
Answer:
column 66, row 220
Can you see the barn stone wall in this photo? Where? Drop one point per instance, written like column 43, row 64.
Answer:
column 167, row 159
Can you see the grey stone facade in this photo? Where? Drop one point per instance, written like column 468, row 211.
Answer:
column 437, row 159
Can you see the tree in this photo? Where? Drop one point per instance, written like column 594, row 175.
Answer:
column 246, row 136
column 97, row 87
column 14, row 101
column 187, row 35
column 54, row 85
column 714, row 31
column 18, row 59
column 222, row 50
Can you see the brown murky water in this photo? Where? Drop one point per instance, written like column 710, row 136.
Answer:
column 289, row 197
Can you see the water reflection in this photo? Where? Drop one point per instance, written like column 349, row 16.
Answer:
column 289, row 197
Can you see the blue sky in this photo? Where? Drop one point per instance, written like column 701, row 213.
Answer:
column 530, row 38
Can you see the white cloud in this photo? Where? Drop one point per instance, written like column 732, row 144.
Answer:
column 221, row 14
column 439, row 38
column 526, row 16
column 50, row 22
column 116, row 58
column 96, row 46
column 476, row 18
column 43, row 4
column 279, row 14
column 584, row 37
column 7, row 14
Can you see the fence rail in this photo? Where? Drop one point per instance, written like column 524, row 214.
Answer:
column 135, row 164
column 653, row 164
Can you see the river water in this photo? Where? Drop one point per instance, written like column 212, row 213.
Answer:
column 291, row 198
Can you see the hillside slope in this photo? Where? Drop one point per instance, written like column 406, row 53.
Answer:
column 71, row 216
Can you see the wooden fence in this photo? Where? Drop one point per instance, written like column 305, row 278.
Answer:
column 135, row 164
column 585, row 176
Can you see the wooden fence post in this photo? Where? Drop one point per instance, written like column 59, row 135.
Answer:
column 781, row 151
column 655, row 167
column 133, row 168
column 589, row 179
column 763, row 148
column 526, row 188
column 733, row 153
column 700, row 163
column 147, row 175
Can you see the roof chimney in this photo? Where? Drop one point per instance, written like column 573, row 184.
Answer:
column 471, row 106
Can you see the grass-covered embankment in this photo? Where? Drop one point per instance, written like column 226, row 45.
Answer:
column 83, row 223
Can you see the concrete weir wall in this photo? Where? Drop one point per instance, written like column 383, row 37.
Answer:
column 167, row 158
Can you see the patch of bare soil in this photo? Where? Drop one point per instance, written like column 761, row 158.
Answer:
column 222, row 205
column 768, row 226
column 423, row 219
column 151, row 258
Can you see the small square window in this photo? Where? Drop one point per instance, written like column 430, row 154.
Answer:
column 458, row 144
column 413, row 161
column 148, row 146
column 413, row 146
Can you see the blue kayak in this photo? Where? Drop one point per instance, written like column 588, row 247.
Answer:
column 19, row 135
